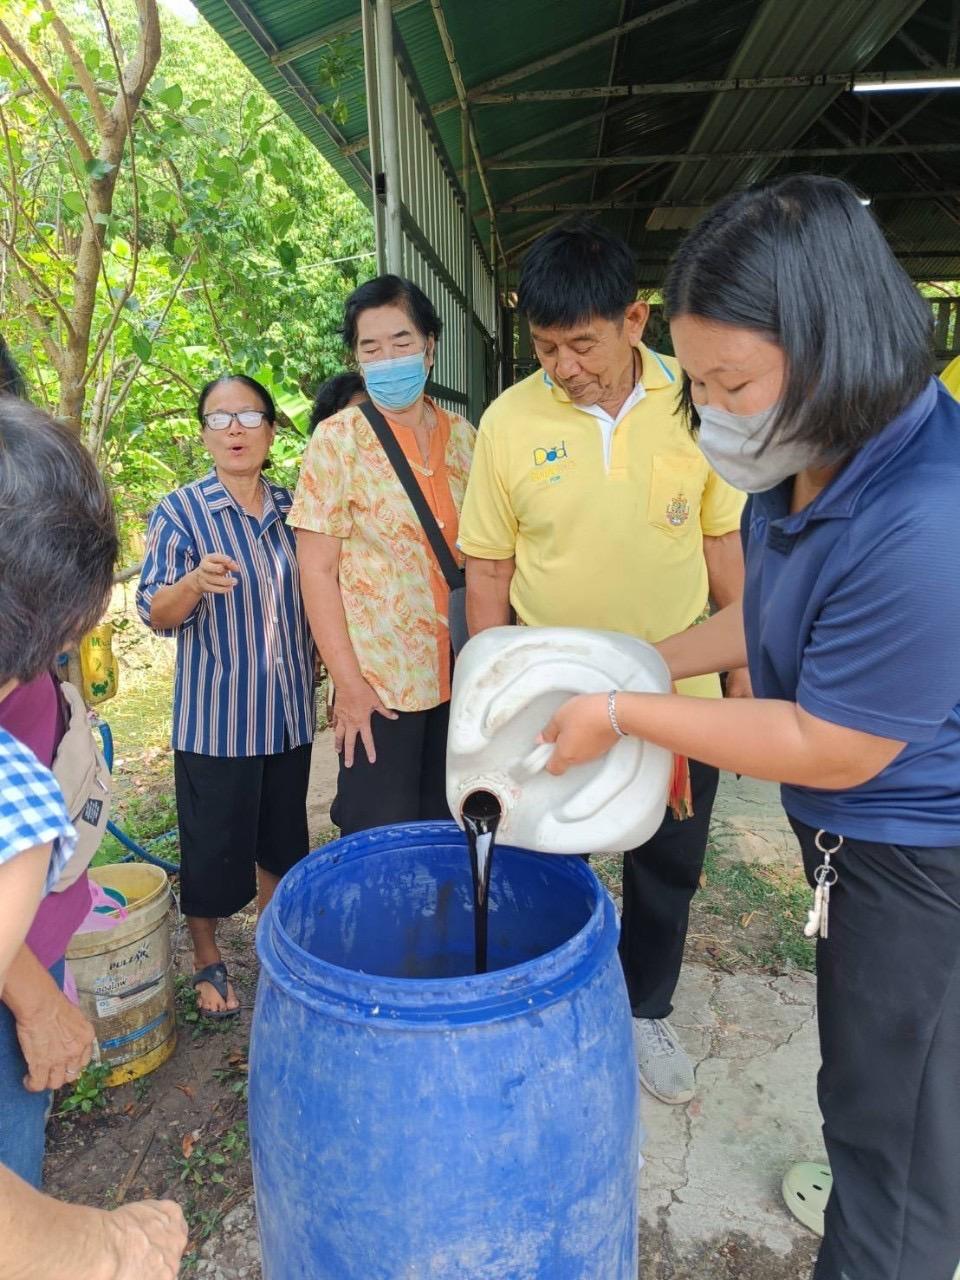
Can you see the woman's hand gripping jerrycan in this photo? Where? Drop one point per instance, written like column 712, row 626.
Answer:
column 507, row 684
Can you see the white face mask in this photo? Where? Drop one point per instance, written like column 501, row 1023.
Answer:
column 731, row 443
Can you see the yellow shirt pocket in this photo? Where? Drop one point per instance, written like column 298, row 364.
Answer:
column 676, row 485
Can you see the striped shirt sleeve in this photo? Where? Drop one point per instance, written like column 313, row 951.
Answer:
column 170, row 554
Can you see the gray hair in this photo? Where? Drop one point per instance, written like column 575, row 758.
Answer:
column 58, row 540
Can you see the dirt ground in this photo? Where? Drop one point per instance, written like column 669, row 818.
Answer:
column 179, row 1132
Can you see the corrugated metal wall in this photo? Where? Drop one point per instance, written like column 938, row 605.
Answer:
column 433, row 252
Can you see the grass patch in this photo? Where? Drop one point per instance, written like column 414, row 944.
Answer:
column 139, row 717
column 744, row 914
column 764, row 907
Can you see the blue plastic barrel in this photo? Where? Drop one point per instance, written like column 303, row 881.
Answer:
column 411, row 1120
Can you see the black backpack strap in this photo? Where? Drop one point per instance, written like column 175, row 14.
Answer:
column 395, row 455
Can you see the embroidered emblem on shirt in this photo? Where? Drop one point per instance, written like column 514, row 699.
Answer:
column 556, row 453
column 678, row 511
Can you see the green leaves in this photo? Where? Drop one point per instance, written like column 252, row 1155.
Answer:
column 98, row 169
column 171, row 97
column 226, row 184
column 74, row 201
column 288, row 254
column 164, row 200
column 142, row 346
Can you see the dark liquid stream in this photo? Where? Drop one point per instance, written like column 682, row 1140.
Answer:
column 481, row 817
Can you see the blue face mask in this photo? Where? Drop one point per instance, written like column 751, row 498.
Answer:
column 395, row 384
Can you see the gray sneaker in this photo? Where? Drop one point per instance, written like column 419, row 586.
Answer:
column 665, row 1069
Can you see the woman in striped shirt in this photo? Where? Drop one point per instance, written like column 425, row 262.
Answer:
column 220, row 574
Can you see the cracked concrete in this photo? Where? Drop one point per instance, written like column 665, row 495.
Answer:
column 710, row 1200
column 711, row 1185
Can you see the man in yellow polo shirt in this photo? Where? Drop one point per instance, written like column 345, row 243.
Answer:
column 590, row 505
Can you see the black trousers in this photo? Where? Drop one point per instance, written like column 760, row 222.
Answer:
column 408, row 781
column 888, row 1004
column 236, row 813
column 659, row 879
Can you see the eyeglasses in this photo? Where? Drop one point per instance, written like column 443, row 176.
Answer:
column 249, row 418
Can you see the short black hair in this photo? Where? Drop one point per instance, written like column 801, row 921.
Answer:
column 575, row 271
column 335, row 394
column 58, row 540
column 266, row 399
column 390, row 291
column 803, row 262
column 11, row 379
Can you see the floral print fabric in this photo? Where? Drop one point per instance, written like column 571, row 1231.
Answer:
column 349, row 490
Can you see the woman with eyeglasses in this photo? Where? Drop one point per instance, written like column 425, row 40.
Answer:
column 220, row 574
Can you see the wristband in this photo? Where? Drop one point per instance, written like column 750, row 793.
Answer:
column 612, row 713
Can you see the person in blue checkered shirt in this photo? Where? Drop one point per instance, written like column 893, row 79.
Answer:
column 32, row 811
column 58, row 546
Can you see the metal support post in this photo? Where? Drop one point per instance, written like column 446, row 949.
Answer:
column 368, row 26
column 473, row 400
column 389, row 138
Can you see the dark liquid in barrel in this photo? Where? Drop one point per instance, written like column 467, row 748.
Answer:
column 481, row 817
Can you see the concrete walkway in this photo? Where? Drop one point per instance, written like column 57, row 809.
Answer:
column 710, row 1190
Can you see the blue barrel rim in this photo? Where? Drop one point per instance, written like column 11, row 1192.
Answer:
column 408, row 1002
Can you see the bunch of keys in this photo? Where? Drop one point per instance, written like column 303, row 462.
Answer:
column 825, row 876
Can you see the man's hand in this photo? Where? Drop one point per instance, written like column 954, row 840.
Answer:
column 56, row 1041
column 738, row 684
column 354, row 710
column 581, row 730
column 142, row 1241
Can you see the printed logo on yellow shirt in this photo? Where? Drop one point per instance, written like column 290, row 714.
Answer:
column 678, row 511
column 556, row 453
column 550, row 464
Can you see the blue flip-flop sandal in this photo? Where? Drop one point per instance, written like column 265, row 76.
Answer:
column 217, row 976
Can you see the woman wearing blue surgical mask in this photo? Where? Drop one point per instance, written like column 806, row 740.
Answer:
column 375, row 595
column 807, row 350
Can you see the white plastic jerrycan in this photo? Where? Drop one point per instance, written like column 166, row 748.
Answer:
column 507, row 684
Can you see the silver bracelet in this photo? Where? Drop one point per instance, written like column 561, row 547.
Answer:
column 612, row 713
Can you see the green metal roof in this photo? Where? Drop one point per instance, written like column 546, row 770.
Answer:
column 570, row 145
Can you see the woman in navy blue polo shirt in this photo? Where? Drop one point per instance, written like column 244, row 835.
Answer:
column 220, row 573
column 807, row 351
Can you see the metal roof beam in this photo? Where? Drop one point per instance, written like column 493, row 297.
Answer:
column 559, row 182
column 268, row 47
column 698, row 157
column 571, row 51
column 317, row 39
column 468, row 133
column 531, row 233
column 535, row 140
column 730, row 84
column 537, row 190
column 551, row 135
column 614, row 53
column 606, row 202
column 918, row 51
column 664, row 260
column 912, row 166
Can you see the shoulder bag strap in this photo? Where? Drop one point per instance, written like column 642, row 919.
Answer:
column 395, row 455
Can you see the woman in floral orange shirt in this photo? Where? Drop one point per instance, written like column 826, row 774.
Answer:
column 374, row 593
